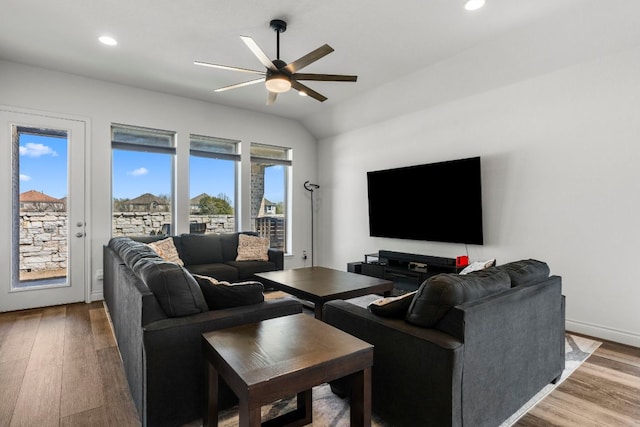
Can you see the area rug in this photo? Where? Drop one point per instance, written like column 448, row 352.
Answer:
column 331, row 411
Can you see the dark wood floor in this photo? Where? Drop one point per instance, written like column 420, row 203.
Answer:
column 59, row 366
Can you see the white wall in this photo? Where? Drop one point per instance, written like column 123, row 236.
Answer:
column 561, row 181
column 104, row 103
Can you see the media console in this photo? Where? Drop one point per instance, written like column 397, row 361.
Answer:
column 407, row 271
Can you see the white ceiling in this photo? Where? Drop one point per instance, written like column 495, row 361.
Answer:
column 380, row 41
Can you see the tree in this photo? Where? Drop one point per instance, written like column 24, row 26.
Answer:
column 121, row 205
column 215, row 205
column 280, row 208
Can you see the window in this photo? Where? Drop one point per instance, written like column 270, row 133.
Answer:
column 141, row 180
column 41, row 167
column 270, row 171
column 213, row 166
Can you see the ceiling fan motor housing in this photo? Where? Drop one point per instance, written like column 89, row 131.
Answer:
column 279, row 64
column 278, row 25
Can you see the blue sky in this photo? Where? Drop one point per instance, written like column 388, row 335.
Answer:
column 43, row 165
column 43, row 168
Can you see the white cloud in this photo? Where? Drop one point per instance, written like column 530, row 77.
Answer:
column 138, row 172
column 31, row 149
column 25, row 177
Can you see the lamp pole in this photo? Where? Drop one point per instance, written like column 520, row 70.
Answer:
column 310, row 188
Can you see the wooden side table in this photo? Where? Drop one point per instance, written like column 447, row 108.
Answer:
column 282, row 357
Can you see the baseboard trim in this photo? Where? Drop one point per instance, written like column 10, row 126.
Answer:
column 616, row 335
column 96, row 296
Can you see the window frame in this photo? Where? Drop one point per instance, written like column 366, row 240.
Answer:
column 219, row 154
column 285, row 159
column 151, row 146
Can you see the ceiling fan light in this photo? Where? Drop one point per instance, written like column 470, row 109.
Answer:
column 277, row 83
column 473, row 4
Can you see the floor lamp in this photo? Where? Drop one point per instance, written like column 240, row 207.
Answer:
column 311, row 187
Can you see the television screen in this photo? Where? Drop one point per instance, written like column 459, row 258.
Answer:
column 439, row 202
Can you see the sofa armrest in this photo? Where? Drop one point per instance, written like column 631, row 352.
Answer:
column 175, row 366
column 514, row 337
column 276, row 256
column 421, row 366
column 226, row 318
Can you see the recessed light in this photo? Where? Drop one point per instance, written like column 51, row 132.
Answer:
column 109, row 41
column 473, row 4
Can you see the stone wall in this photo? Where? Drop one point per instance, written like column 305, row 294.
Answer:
column 43, row 241
column 43, row 235
column 151, row 223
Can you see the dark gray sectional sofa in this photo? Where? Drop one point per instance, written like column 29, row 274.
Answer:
column 215, row 255
column 158, row 313
column 465, row 350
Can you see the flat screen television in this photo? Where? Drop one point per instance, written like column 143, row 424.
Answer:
column 439, row 202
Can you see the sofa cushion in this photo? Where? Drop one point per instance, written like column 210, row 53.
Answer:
column 525, row 271
column 149, row 239
column 131, row 252
column 200, row 249
column 174, row 287
column 229, row 244
column 439, row 293
column 166, row 249
column 117, row 243
column 246, row 269
column 392, row 306
column 218, row 270
column 222, row 294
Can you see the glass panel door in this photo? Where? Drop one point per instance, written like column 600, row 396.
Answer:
column 42, row 209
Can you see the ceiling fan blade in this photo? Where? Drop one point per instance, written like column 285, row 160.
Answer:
column 271, row 98
column 264, row 59
column 237, row 85
column 307, row 90
column 325, row 77
column 227, row 67
column 308, row 58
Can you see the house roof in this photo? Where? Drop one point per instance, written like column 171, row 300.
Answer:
column 147, row 198
column 33, row 196
column 196, row 200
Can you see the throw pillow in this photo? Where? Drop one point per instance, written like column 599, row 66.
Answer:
column 392, row 306
column 166, row 249
column 478, row 265
column 221, row 295
column 252, row 248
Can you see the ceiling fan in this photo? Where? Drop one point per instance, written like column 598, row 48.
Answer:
column 279, row 76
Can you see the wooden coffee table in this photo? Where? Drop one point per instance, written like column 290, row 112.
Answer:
column 320, row 284
column 282, row 357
